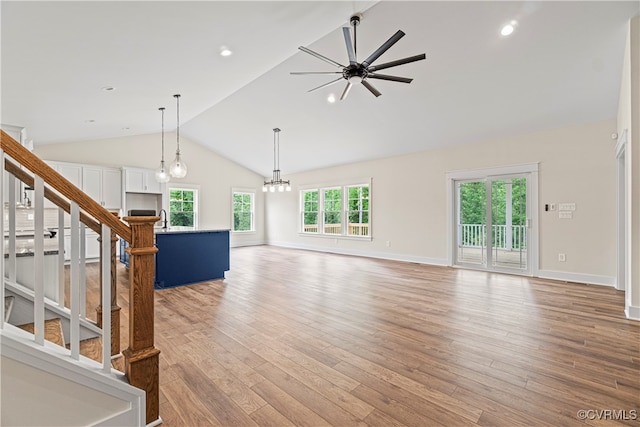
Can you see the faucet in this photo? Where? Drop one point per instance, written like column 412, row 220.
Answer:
column 164, row 223
column 26, row 200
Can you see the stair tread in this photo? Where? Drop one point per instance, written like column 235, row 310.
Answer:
column 52, row 331
column 91, row 348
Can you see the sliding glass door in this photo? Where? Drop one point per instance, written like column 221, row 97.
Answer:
column 492, row 223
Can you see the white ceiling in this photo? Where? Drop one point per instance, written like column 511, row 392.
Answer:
column 562, row 66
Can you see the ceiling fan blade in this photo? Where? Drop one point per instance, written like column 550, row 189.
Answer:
column 326, row 84
column 347, row 39
column 346, row 90
column 382, row 49
column 372, row 89
column 398, row 62
column 314, row 72
column 317, row 55
column 391, row 78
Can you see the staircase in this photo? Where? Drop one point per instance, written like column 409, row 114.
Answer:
column 47, row 341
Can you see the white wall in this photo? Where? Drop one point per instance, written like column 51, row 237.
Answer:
column 215, row 175
column 629, row 120
column 409, row 200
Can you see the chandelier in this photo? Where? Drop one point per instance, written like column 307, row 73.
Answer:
column 276, row 180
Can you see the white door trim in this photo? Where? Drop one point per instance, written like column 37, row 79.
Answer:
column 527, row 168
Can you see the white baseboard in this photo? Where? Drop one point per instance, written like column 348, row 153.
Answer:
column 632, row 312
column 249, row 243
column 591, row 279
column 369, row 254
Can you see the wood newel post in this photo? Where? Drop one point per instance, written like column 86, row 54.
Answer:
column 141, row 357
column 115, row 308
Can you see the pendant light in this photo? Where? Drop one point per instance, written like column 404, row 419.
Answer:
column 276, row 180
column 162, row 175
column 178, row 167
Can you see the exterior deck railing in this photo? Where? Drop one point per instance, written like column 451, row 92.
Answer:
column 503, row 237
column 353, row 229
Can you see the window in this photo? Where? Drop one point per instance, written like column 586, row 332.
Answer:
column 310, row 211
column 332, row 211
column 344, row 211
column 183, row 207
column 243, row 207
column 358, row 210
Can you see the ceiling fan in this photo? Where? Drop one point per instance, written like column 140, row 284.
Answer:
column 364, row 70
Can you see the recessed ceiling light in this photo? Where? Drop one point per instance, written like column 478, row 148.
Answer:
column 509, row 28
column 108, row 89
column 331, row 98
column 225, row 51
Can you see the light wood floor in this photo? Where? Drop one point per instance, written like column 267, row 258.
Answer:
column 310, row 339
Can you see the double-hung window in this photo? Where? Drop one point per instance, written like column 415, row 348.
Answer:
column 183, row 207
column 310, row 211
column 332, row 213
column 336, row 211
column 243, row 211
column 358, row 210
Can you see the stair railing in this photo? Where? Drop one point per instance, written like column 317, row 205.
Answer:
column 141, row 357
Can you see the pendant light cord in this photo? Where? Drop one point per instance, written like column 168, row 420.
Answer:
column 162, row 138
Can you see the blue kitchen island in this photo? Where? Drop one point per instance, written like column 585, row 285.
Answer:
column 188, row 256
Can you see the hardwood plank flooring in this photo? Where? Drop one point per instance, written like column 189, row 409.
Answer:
column 305, row 338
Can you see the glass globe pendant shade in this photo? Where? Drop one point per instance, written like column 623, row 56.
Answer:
column 162, row 175
column 178, row 167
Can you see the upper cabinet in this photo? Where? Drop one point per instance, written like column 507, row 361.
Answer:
column 138, row 180
column 102, row 184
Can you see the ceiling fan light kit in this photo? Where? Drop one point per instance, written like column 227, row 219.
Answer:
column 363, row 70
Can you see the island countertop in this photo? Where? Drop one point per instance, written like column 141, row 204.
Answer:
column 160, row 230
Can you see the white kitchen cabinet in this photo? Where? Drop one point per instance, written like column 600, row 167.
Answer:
column 91, row 245
column 71, row 171
column 103, row 185
column 138, row 180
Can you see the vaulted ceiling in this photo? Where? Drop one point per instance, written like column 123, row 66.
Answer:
column 561, row 66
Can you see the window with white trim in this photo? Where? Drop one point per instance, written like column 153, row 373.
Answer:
column 358, row 210
column 332, row 213
column 183, row 207
column 243, row 211
column 336, row 211
column 309, row 211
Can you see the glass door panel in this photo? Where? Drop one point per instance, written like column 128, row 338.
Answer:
column 509, row 223
column 472, row 223
column 492, row 223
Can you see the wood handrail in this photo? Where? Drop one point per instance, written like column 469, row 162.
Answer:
column 62, row 185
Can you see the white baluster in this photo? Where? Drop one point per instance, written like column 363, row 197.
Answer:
column 61, row 257
column 106, row 298
column 38, row 261
column 74, row 265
